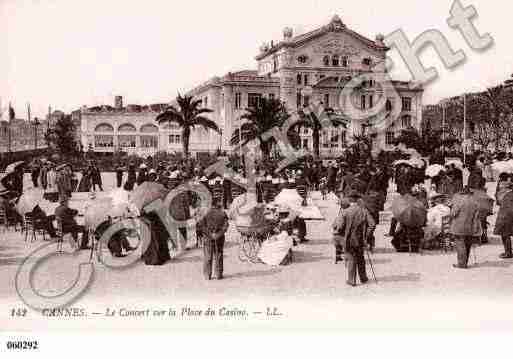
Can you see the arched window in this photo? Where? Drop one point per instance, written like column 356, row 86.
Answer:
column 335, row 60
column 388, row 106
column 104, row 127
column 149, row 128
column 127, row 127
column 326, row 60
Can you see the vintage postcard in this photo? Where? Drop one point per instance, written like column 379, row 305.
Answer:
column 268, row 166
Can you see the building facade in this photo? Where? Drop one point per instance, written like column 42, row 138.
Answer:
column 315, row 68
column 311, row 68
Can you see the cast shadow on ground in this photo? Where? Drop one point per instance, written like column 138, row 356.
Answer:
column 255, row 273
column 493, row 264
column 11, row 261
column 384, row 250
column 409, row 277
column 194, row 259
column 308, row 257
column 320, row 242
column 376, row 261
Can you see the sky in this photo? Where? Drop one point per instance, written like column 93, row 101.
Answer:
column 69, row 53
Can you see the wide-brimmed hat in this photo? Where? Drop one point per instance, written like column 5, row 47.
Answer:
column 60, row 167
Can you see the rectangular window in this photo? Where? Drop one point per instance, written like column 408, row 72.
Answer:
column 343, row 138
column 298, row 99
column 254, row 99
column 306, row 101
column 299, row 78
column 406, row 121
column 363, row 102
column 334, row 138
column 305, row 77
column 371, row 101
column 389, row 138
column 406, row 103
column 325, row 139
column 327, row 99
column 238, row 100
column 344, row 61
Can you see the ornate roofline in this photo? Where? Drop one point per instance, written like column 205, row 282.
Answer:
column 335, row 26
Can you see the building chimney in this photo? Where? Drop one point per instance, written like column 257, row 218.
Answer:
column 118, row 102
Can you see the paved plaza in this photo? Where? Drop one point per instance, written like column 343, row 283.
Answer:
column 313, row 273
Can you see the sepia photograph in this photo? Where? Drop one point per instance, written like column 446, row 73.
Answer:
column 255, row 166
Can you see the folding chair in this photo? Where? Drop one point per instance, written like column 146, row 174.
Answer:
column 446, row 241
column 29, row 225
column 4, row 221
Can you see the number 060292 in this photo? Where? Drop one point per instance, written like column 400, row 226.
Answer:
column 22, row 345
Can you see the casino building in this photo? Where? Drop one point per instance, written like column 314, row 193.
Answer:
column 300, row 70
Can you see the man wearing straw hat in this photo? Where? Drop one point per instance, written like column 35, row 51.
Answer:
column 354, row 224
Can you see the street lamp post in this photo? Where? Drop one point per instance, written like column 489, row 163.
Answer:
column 36, row 123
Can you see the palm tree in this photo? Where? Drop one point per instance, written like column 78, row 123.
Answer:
column 188, row 116
column 316, row 123
column 263, row 117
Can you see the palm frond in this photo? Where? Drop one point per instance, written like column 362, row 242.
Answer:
column 205, row 123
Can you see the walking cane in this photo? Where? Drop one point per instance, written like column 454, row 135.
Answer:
column 368, row 253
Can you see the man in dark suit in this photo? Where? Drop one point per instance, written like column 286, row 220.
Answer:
column 119, row 175
column 66, row 216
column 212, row 228
column 354, row 224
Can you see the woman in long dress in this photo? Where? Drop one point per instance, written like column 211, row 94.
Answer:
column 158, row 250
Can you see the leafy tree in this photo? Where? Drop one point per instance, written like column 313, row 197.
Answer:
column 317, row 121
column 266, row 115
column 188, row 115
column 62, row 136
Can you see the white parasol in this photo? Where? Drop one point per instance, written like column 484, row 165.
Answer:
column 434, row 170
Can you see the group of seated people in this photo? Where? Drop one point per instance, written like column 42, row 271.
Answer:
column 438, row 214
column 42, row 221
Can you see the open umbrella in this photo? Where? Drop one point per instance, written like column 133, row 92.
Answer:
column 10, row 168
column 456, row 163
column 412, row 162
column 409, row 211
column 290, row 198
column 147, row 193
column 28, row 200
column 502, row 167
column 97, row 212
column 434, row 170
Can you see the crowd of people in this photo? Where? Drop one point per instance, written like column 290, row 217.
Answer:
column 454, row 198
